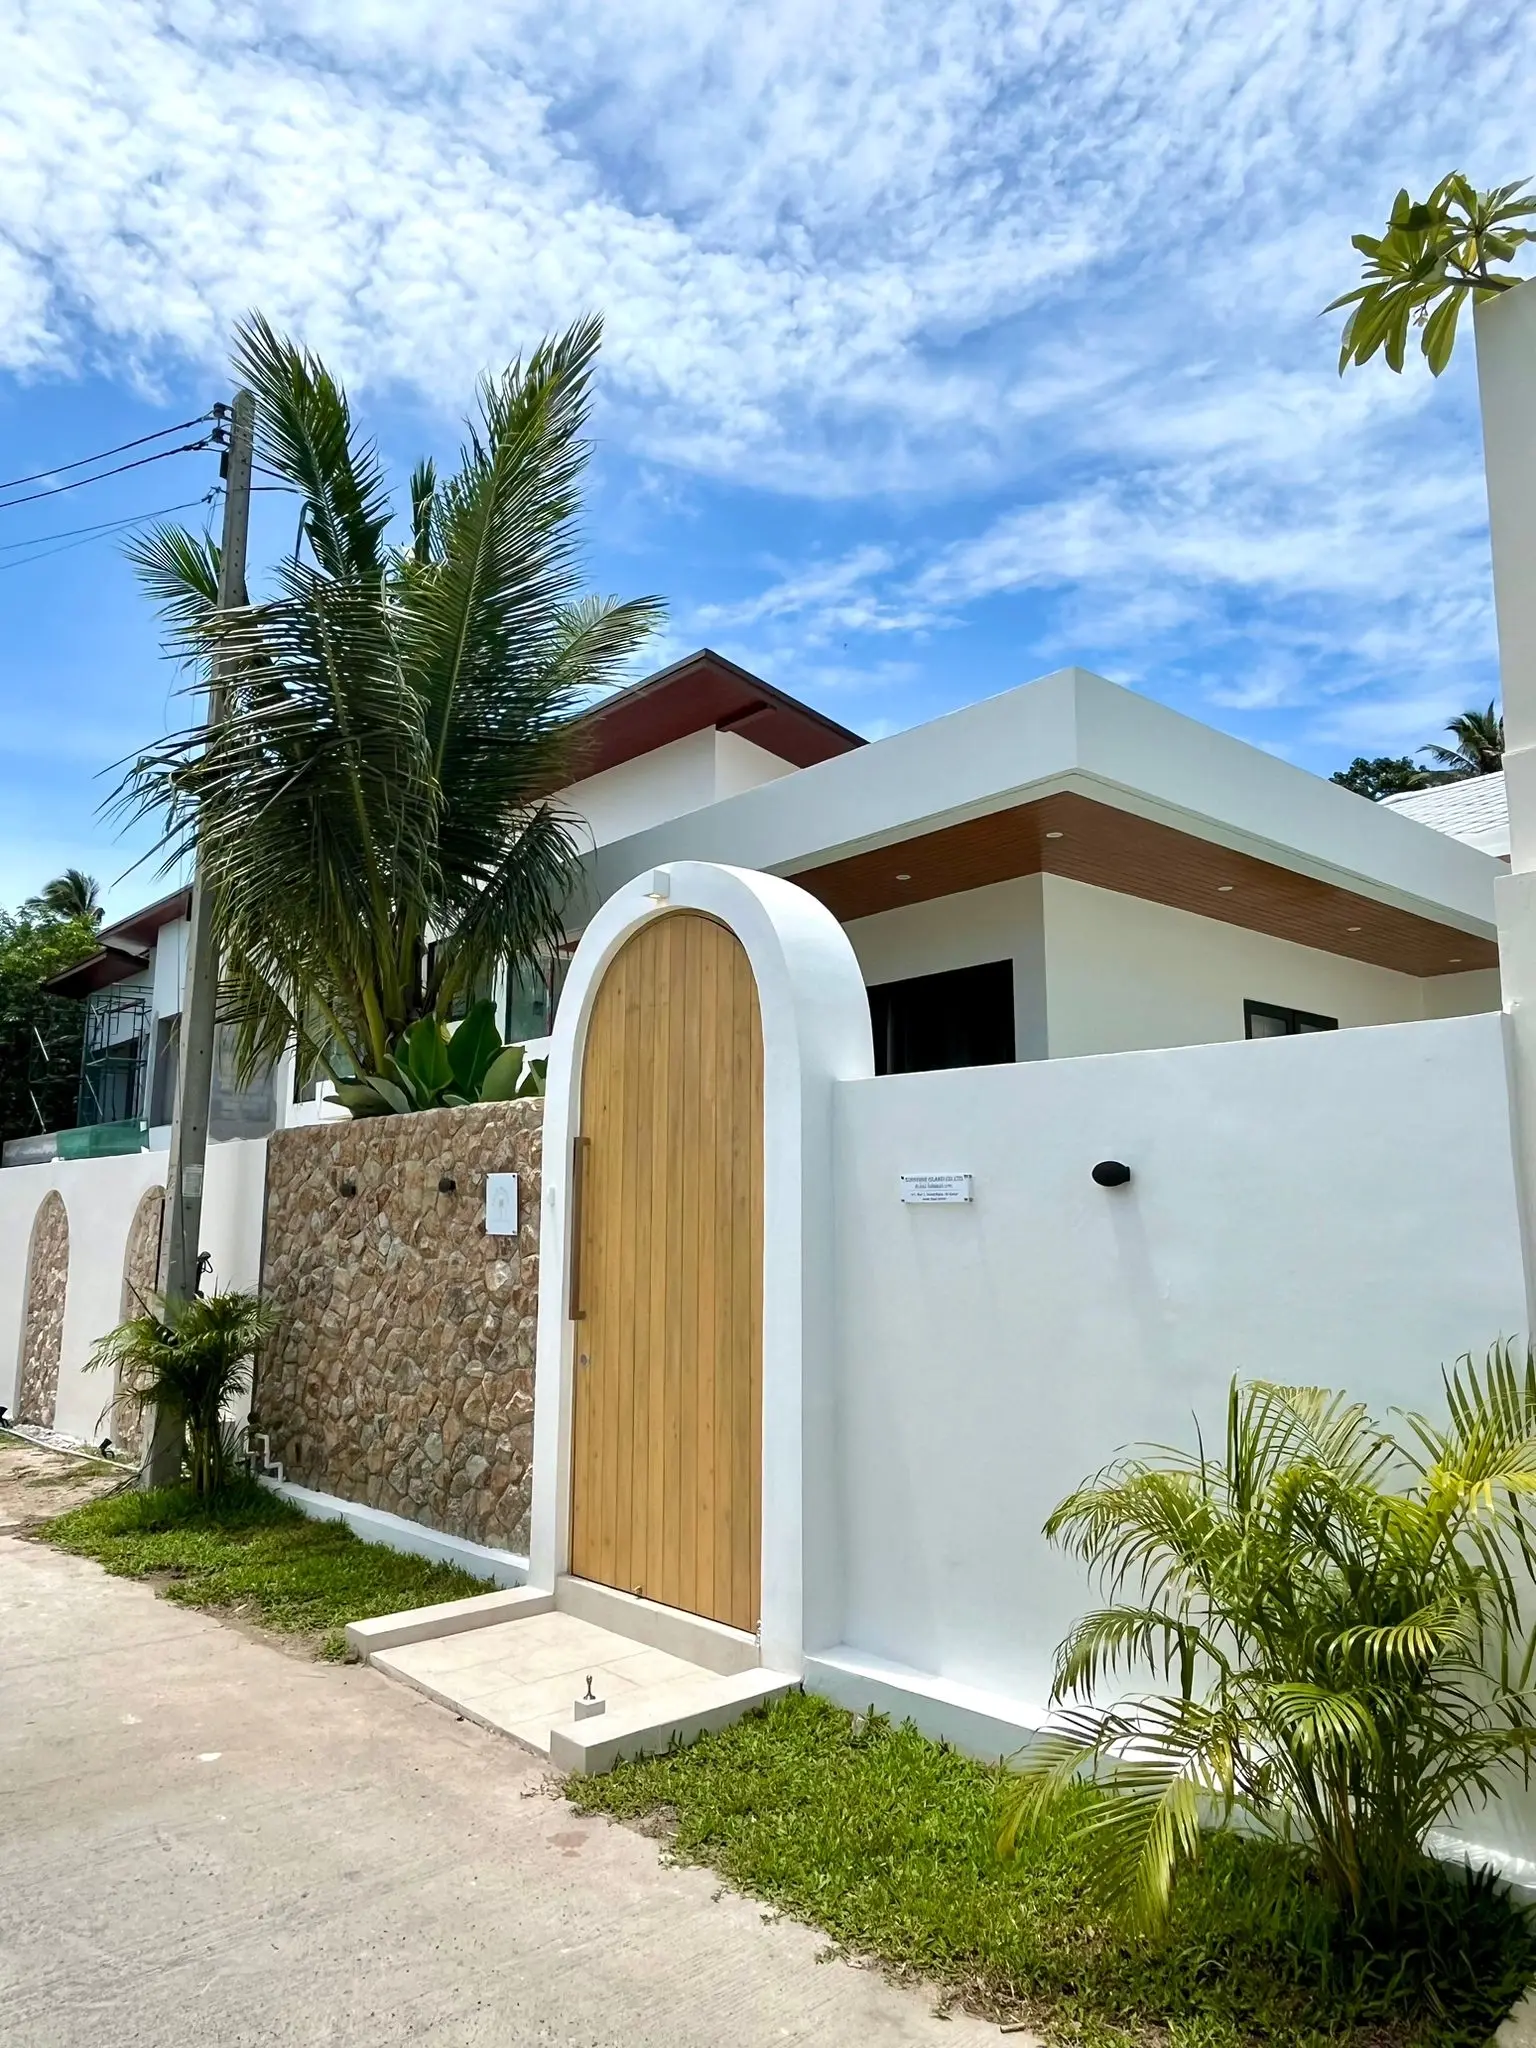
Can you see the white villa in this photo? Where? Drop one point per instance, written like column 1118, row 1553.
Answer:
column 1067, row 868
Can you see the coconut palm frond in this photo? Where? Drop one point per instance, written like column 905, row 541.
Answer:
column 374, row 815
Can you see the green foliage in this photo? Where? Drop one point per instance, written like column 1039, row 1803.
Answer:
column 192, row 1359
column 1342, row 1614
column 887, row 1841
column 70, row 897
column 1479, row 748
column 248, row 1550
column 1434, row 255
column 1386, row 775
column 375, row 814
column 38, row 1094
column 432, row 1068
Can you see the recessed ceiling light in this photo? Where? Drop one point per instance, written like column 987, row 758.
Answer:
column 1224, row 888
column 1351, row 927
column 1055, row 835
column 903, row 878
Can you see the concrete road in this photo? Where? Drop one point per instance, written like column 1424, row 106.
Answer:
column 205, row 1840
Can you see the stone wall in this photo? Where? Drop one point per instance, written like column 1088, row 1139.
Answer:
column 403, row 1374
column 37, row 1393
column 141, row 1278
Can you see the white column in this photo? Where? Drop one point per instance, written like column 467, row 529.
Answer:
column 1506, row 380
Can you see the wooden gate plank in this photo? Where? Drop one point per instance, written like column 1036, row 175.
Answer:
column 667, row 1434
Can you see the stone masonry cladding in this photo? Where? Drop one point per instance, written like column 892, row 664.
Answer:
column 403, row 1372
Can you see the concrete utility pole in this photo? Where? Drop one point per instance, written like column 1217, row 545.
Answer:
column 194, row 1067
column 1506, row 382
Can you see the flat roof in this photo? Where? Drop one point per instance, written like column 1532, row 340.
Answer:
column 1075, row 734
column 704, row 690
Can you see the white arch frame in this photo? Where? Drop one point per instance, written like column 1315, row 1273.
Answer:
column 816, row 1031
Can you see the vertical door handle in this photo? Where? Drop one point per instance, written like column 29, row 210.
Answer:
column 578, row 1311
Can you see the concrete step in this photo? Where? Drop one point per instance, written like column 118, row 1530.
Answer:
column 688, row 1710
column 516, row 1663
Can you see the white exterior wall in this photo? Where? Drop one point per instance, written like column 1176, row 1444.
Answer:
column 701, row 768
column 1123, row 974
column 1005, row 921
column 100, row 1197
column 1336, row 1209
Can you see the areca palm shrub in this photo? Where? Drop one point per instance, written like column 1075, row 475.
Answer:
column 193, row 1359
column 1334, row 1621
column 375, row 814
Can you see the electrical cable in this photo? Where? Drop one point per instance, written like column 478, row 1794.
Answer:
column 85, row 535
column 104, row 525
column 58, row 490
column 14, row 483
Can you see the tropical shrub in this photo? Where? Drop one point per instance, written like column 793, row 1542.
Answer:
column 192, row 1359
column 431, row 1068
column 1341, row 1614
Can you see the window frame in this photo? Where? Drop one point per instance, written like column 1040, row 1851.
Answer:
column 1298, row 1023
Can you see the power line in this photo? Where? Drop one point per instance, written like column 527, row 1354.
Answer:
column 83, row 536
column 57, row 490
column 9, row 547
column 14, row 483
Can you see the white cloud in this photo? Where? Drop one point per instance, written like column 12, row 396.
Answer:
column 1069, row 258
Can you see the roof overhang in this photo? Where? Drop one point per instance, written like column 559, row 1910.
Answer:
column 702, row 691
column 1148, row 802
column 102, row 969
column 143, row 926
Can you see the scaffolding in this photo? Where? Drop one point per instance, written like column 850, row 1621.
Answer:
column 114, row 1058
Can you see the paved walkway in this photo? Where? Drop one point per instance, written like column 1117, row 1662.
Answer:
column 206, row 1841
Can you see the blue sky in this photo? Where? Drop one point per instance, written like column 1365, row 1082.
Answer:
column 944, row 346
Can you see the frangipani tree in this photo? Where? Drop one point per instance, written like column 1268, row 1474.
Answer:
column 1436, row 253
column 375, row 814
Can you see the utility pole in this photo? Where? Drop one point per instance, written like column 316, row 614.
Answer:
column 194, row 1068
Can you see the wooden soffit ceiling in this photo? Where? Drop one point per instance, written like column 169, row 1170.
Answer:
column 1091, row 842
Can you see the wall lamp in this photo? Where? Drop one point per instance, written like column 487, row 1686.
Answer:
column 1111, row 1173
column 446, row 1184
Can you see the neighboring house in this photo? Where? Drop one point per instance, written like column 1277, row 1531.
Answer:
column 1065, row 868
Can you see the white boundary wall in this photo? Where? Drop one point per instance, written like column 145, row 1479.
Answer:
column 1337, row 1209
column 100, row 1197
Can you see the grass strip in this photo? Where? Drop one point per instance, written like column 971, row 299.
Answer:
column 252, row 1553
column 886, row 1841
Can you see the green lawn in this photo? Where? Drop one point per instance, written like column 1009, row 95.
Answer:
column 254, row 1554
column 885, row 1840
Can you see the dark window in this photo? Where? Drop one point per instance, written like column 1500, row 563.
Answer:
column 533, row 995
column 960, row 1019
column 1272, row 1020
column 162, row 1087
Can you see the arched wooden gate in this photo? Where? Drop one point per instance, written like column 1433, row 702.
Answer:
column 667, row 1276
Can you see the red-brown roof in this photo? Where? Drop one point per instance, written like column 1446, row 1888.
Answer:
column 98, row 970
column 692, row 695
column 140, row 926
column 124, row 948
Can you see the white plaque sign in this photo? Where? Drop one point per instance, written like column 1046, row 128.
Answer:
column 935, row 1187
column 501, row 1204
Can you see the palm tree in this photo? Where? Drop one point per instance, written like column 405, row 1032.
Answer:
column 73, row 896
column 375, row 815
column 1479, row 748
column 192, row 1358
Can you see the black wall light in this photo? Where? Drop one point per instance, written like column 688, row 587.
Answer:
column 1110, row 1173
column 447, row 1184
